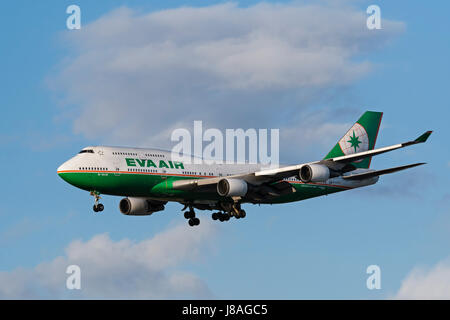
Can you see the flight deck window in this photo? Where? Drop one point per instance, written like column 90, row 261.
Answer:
column 87, row 151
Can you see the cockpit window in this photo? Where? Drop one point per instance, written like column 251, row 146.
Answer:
column 87, row 151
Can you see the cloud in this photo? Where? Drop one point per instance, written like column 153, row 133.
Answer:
column 421, row 283
column 122, row 269
column 312, row 129
column 133, row 77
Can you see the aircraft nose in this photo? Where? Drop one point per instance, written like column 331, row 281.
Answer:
column 61, row 168
column 64, row 171
column 64, row 168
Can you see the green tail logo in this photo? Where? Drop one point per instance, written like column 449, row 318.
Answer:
column 362, row 136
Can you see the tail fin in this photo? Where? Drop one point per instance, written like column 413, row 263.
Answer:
column 361, row 137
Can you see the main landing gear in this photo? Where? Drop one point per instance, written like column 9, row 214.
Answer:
column 192, row 219
column 238, row 213
column 225, row 213
column 221, row 216
column 98, row 207
column 234, row 211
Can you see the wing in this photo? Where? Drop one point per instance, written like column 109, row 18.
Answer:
column 361, row 155
column 339, row 165
column 374, row 173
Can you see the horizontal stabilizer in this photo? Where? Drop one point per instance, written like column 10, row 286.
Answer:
column 370, row 174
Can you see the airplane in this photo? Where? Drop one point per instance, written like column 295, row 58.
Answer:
column 149, row 178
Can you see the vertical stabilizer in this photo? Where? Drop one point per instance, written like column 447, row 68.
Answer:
column 362, row 136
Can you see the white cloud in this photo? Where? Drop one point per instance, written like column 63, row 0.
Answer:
column 118, row 269
column 313, row 129
column 135, row 76
column 421, row 283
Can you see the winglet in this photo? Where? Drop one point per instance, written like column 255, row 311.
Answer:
column 423, row 137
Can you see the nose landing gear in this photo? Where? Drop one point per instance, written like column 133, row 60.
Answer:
column 98, row 207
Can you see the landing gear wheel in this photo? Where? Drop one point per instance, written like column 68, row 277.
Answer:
column 98, row 207
column 226, row 217
column 189, row 214
column 236, row 211
column 215, row 215
column 194, row 222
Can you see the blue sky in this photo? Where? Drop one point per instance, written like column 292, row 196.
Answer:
column 318, row 248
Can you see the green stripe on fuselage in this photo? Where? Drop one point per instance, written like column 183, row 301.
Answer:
column 155, row 185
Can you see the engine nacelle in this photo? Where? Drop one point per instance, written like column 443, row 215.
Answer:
column 314, row 173
column 139, row 206
column 232, row 188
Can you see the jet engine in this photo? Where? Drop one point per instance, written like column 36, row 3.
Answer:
column 232, row 188
column 314, row 173
column 139, row 206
